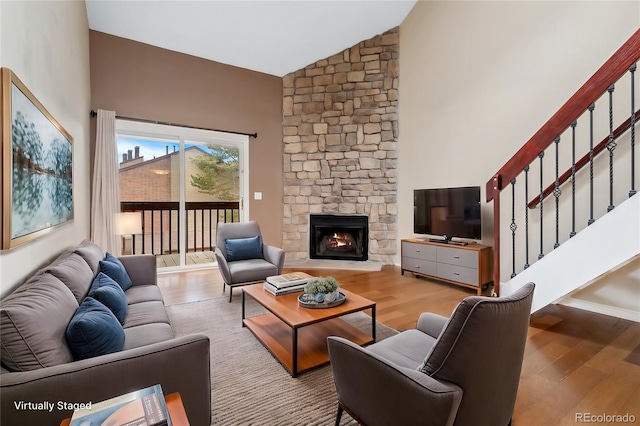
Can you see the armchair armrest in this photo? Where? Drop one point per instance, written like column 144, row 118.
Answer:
column 178, row 365
column 380, row 392
column 274, row 255
column 223, row 266
column 431, row 324
column 141, row 268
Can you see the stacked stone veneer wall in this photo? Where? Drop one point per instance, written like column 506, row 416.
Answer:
column 340, row 130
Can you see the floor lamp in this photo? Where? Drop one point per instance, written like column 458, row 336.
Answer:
column 129, row 223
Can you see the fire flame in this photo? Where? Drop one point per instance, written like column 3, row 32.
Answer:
column 339, row 240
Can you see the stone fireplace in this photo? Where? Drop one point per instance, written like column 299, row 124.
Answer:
column 338, row 237
column 340, row 131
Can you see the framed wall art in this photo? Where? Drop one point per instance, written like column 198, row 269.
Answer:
column 37, row 166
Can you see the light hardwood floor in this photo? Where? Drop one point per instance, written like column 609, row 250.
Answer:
column 576, row 363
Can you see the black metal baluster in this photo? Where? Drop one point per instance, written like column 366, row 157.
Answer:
column 170, row 230
column 178, row 232
column 633, row 131
column 611, row 145
column 133, row 244
column 574, row 123
column 161, row 231
column 556, row 193
column 153, row 232
column 526, row 217
column 202, row 229
column 541, row 156
column 210, row 233
column 513, row 227
column 591, row 108
column 143, row 228
column 195, row 236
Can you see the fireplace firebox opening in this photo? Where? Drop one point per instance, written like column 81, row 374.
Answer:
column 339, row 237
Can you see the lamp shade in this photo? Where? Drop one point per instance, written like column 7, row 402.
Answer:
column 129, row 223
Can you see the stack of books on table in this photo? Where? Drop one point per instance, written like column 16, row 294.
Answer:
column 287, row 283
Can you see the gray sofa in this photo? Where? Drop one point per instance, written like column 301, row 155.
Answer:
column 38, row 366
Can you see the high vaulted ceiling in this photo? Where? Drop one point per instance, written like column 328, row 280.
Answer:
column 273, row 37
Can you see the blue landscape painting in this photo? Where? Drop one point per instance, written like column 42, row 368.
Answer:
column 42, row 181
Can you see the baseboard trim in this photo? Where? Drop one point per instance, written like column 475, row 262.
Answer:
column 600, row 308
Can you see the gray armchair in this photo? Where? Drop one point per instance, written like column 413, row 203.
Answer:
column 463, row 370
column 247, row 264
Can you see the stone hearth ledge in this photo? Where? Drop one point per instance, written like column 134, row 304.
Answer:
column 352, row 265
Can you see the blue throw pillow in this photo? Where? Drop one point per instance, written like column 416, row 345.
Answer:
column 110, row 294
column 94, row 331
column 113, row 268
column 244, row 248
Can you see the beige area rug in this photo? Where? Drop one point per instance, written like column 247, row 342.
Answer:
column 349, row 265
column 248, row 385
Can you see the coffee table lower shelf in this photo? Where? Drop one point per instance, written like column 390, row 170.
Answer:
column 312, row 350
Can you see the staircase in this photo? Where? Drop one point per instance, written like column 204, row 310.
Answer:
column 563, row 221
column 608, row 244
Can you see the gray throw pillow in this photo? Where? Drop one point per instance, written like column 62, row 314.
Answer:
column 33, row 320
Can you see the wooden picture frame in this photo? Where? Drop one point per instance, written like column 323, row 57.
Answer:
column 37, row 166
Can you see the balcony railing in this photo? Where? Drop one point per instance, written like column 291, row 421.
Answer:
column 161, row 230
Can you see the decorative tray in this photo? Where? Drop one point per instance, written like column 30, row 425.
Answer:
column 315, row 305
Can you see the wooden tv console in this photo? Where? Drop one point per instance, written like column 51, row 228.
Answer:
column 468, row 266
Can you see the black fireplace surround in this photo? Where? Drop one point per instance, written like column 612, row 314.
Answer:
column 339, row 237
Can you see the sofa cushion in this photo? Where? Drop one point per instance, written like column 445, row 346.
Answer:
column 74, row 272
column 94, row 331
column 33, row 320
column 143, row 293
column 110, row 294
column 244, row 248
column 147, row 334
column 91, row 253
column 146, row 313
column 116, row 270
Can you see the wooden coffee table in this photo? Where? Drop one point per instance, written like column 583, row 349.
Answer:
column 297, row 336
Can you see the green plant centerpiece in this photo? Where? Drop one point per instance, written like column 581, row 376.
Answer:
column 322, row 289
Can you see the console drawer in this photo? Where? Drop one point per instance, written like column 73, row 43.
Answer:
column 418, row 251
column 458, row 273
column 419, row 265
column 456, row 256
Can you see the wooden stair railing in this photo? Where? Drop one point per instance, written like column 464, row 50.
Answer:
column 616, row 66
column 601, row 146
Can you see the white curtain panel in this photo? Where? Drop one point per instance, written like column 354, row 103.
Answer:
column 105, row 203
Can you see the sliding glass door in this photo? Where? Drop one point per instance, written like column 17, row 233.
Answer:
column 182, row 182
column 212, row 194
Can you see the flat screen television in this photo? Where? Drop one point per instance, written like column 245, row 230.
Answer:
column 448, row 213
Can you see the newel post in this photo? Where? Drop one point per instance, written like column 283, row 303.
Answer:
column 496, row 234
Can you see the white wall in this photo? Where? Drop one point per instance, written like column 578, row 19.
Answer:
column 610, row 294
column 46, row 44
column 478, row 79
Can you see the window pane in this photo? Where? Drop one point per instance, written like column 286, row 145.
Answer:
column 150, row 184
